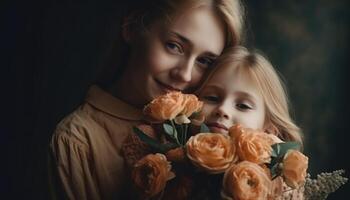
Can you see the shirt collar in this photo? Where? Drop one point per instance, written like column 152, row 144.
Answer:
column 106, row 102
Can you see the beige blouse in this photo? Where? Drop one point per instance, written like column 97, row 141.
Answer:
column 85, row 157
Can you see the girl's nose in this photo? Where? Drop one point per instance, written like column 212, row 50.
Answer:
column 221, row 112
column 183, row 72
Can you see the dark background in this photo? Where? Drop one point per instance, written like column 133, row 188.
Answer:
column 52, row 51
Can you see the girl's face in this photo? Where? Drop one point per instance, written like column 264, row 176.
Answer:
column 174, row 56
column 230, row 98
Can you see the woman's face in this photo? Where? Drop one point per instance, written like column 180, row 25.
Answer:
column 174, row 56
column 230, row 98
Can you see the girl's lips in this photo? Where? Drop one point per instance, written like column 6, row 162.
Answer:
column 217, row 126
column 166, row 87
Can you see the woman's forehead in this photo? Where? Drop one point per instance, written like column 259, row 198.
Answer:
column 202, row 28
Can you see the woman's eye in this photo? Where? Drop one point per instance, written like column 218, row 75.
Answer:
column 173, row 47
column 243, row 107
column 205, row 61
column 211, row 98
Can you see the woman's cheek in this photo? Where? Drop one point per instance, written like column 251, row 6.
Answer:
column 162, row 61
column 197, row 75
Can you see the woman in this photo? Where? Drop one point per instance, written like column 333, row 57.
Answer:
column 167, row 45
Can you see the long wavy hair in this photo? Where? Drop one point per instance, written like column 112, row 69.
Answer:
column 261, row 72
column 139, row 15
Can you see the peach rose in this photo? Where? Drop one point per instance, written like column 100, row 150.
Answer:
column 246, row 181
column 176, row 155
column 235, row 131
column 191, row 104
column 151, row 173
column 211, row 152
column 252, row 145
column 276, row 189
column 294, row 168
column 165, row 107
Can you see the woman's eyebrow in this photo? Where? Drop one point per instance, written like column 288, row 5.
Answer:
column 212, row 55
column 189, row 43
column 181, row 37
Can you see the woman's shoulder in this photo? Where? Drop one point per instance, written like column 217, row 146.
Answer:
column 78, row 126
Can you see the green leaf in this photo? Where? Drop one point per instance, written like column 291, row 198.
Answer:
column 204, row 128
column 169, row 129
column 282, row 148
column 147, row 139
column 166, row 147
column 277, row 148
column 274, row 153
column 275, row 170
column 155, row 144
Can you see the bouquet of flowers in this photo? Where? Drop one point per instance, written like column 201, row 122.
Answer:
column 250, row 164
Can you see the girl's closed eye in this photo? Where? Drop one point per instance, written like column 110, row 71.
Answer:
column 174, row 47
column 211, row 98
column 244, row 106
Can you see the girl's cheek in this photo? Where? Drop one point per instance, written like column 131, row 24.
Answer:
column 207, row 110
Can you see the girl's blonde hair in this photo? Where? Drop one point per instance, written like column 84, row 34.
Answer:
column 261, row 72
column 140, row 15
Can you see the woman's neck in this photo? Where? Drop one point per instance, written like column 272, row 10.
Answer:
column 123, row 90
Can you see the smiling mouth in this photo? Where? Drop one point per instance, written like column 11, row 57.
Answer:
column 218, row 126
column 166, row 87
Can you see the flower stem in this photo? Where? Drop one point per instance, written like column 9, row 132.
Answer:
column 175, row 135
column 185, row 134
column 182, row 135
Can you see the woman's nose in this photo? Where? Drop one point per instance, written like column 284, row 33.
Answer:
column 183, row 72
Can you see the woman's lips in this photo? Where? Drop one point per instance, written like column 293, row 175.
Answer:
column 214, row 126
column 166, row 87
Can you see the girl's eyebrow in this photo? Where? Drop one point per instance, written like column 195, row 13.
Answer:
column 188, row 42
column 246, row 95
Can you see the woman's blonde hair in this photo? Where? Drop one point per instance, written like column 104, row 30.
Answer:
column 140, row 15
column 231, row 12
column 258, row 69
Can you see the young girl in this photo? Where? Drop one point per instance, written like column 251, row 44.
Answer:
column 166, row 45
column 245, row 89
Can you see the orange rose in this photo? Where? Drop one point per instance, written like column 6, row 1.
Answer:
column 211, row 152
column 276, row 189
column 235, row 131
column 151, row 173
column 165, row 107
column 246, row 181
column 176, row 155
column 191, row 104
column 252, row 145
column 294, row 168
